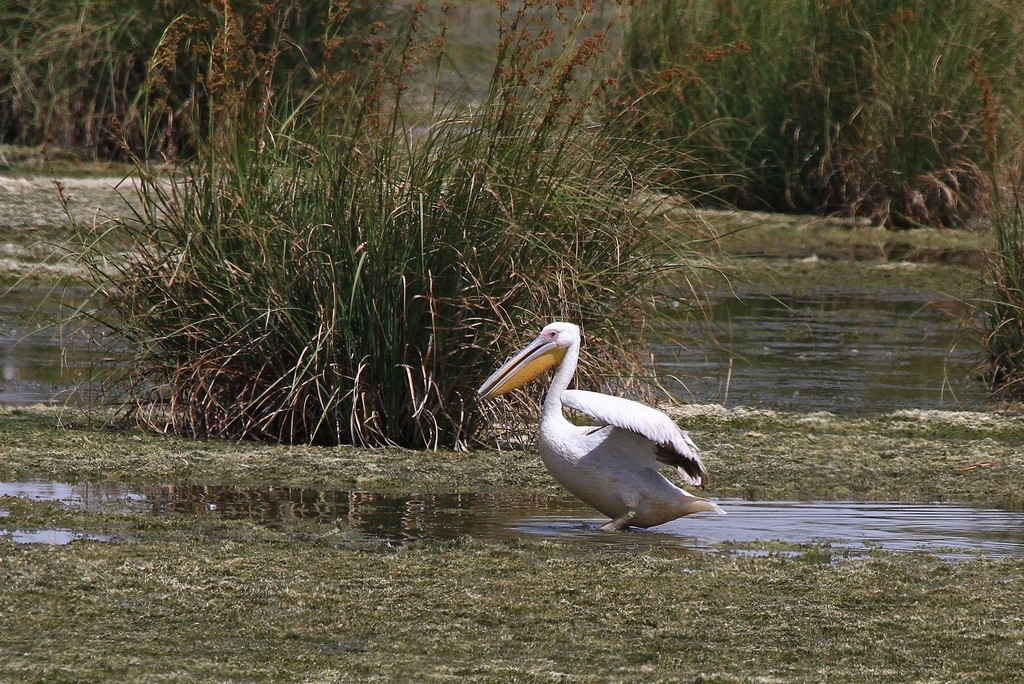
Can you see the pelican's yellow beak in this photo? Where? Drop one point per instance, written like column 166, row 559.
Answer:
column 539, row 356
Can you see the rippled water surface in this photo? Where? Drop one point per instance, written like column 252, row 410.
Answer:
column 840, row 352
column 43, row 356
column 951, row 530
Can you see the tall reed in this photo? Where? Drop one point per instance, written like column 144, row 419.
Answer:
column 1002, row 308
column 865, row 108
column 345, row 264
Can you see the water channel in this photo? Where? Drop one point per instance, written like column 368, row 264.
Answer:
column 839, row 352
column 952, row 531
column 848, row 353
column 41, row 359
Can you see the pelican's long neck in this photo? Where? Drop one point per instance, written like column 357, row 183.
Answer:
column 552, row 409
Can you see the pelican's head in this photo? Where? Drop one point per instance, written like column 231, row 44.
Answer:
column 545, row 352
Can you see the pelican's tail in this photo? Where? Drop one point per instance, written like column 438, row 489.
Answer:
column 695, row 504
column 715, row 507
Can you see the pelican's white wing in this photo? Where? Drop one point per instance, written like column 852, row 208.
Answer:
column 673, row 445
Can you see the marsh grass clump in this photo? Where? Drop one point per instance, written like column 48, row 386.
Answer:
column 861, row 108
column 344, row 263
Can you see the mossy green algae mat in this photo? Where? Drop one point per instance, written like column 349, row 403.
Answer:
column 186, row 598
column 753, row 454
column 246, row 605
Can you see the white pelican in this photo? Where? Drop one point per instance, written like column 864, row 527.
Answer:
column 614, row 464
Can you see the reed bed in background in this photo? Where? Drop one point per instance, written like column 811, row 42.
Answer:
column 77, row 73
column 69, row 69
column 864, row 108
column 345, row 263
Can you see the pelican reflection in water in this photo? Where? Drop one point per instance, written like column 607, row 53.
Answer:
column 614, row 464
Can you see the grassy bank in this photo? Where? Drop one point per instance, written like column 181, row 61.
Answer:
column 180, row 597
column 109, row 80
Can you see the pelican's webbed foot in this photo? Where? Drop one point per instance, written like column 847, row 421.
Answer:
column 620, row 523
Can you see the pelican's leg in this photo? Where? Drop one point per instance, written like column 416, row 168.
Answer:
column 620, row 523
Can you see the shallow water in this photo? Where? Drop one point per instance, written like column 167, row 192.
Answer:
column 952, row 531
column 846, row 353
column 949, row 530
column 43, row 357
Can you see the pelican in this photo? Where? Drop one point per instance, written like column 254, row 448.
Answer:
column 612, row 465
